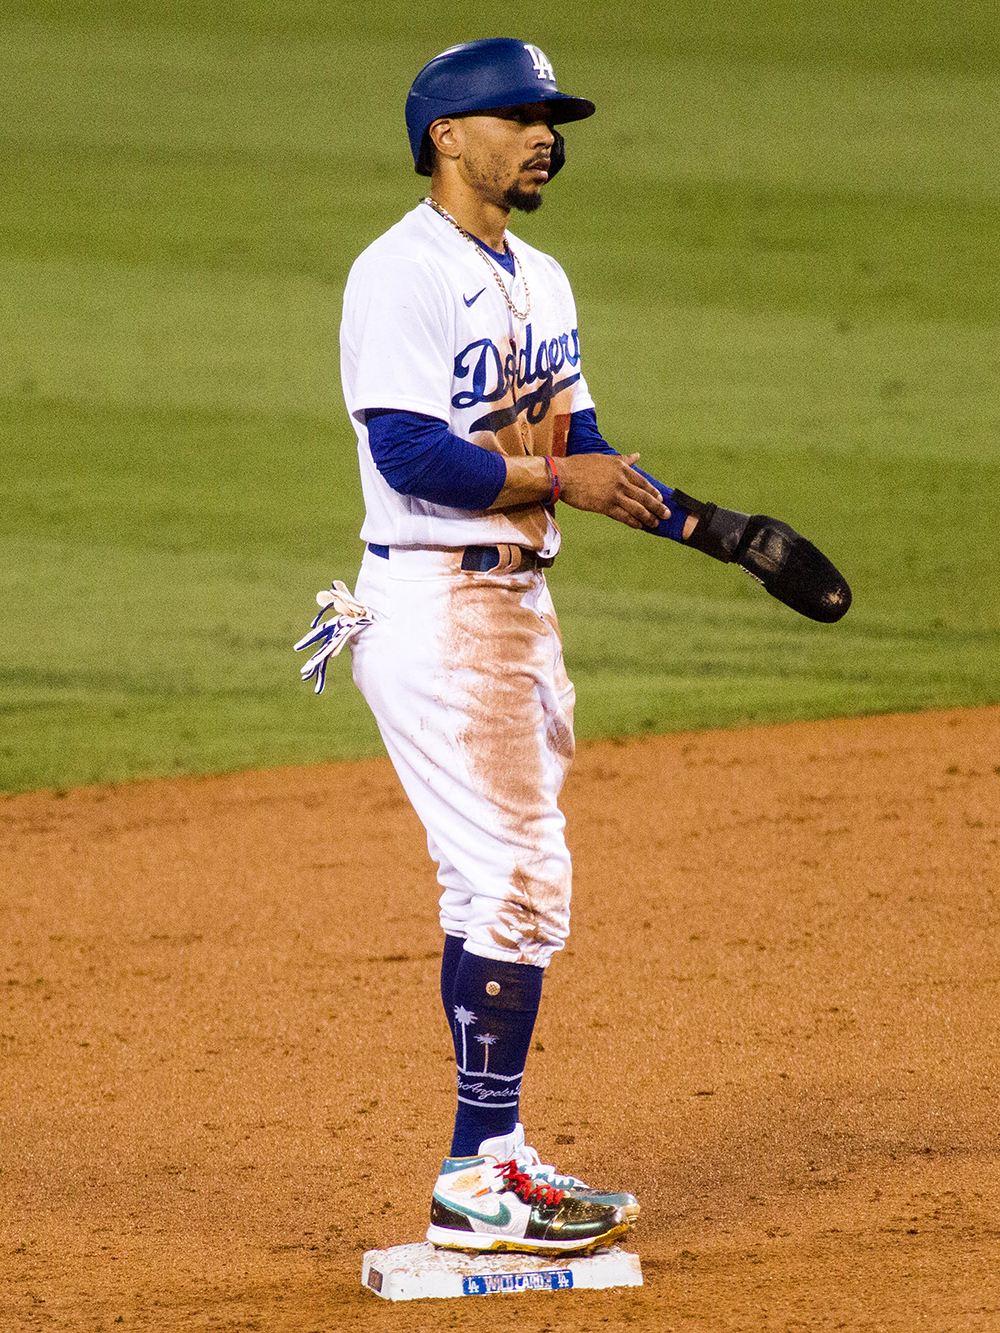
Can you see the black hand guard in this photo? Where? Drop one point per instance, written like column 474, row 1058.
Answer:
column 787, row 565
column 793, row 570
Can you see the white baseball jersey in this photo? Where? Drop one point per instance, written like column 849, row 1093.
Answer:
column 426, row 329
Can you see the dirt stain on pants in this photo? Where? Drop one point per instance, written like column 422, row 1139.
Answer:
column 503, row 654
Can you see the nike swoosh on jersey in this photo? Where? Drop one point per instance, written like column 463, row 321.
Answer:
column 471, row 300
column 500, row 1218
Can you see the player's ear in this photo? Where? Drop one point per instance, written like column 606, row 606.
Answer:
column 444, row 135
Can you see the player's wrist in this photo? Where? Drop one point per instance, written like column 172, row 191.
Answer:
column 550, row 463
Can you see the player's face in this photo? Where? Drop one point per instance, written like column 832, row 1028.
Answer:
column 506, row 155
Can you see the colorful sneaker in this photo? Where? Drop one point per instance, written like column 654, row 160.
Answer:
column 513, row 1147
column 480, row 1203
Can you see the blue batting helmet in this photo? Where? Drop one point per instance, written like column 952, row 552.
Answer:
column 483, row 76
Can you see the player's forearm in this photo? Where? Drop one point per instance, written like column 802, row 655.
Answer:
column 529, row 481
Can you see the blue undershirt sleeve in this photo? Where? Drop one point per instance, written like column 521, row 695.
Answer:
column 585, row 438
column 418, row 456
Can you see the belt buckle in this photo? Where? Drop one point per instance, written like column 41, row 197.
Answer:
column 510, row 559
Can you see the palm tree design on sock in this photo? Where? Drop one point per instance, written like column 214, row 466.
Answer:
column 465, row 1017
column 486, row 1040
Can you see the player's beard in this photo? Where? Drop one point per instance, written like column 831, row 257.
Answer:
column 524, row 200
column 488, row 177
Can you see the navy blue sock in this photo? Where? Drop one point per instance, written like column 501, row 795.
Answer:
column 450, row 959
column 493, row 1011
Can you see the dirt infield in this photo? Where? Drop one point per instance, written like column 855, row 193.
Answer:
column 225, row 1072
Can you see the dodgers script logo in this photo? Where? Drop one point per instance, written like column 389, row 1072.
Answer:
column 541, row 62
column 495, row 374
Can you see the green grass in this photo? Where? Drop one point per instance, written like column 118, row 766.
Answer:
column 781, row 229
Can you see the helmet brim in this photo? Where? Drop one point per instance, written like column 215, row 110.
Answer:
column 564, row 107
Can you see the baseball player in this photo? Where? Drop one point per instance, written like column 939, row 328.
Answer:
column 462, row 374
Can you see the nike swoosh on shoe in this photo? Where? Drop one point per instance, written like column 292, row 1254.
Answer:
column 501, row 1218
column 471, row 300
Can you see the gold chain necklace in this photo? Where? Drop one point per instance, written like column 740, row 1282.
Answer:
column 518, row 314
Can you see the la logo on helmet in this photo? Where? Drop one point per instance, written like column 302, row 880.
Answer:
column 540, row 60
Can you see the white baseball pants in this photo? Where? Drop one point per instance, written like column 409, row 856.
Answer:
column 465, row 676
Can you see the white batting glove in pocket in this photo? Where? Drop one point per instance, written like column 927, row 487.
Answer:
column 350, row 618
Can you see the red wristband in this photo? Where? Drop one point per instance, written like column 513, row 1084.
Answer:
column 554, row 474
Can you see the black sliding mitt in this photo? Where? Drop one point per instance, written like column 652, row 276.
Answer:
column 787, row 565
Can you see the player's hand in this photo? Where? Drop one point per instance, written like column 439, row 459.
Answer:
column 609, row 484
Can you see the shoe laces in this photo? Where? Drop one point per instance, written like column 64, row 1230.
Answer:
column 526, row 1189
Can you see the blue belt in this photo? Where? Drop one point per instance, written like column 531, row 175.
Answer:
column 483, row 559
